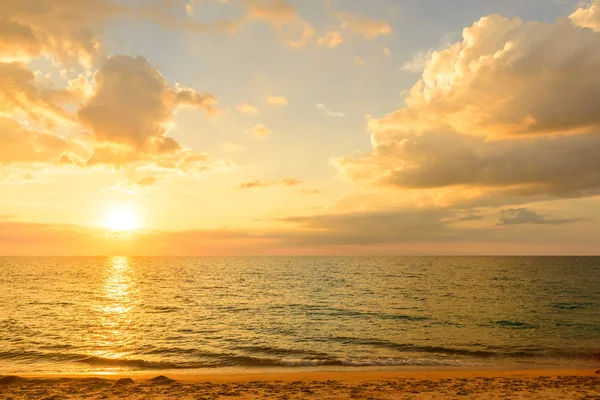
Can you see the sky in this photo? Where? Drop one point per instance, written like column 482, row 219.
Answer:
column 306, row 127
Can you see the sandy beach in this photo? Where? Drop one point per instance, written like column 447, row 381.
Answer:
column 382, row 384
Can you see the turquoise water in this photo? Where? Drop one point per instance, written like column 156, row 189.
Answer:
column 120, row 313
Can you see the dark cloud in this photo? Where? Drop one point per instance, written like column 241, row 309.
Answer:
column 560, row 166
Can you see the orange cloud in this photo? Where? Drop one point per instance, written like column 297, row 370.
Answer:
column 141, row 106
column 521, row 82
column 364, row 26
column 331, row 39
column 19, row 145
column 404, row 231
column 262, row 184
column 505, row 80
column 293, row 30
column 253, row 184
column 22, row 93
column 588, row 16
column 64, row 29
column 291, row 181
column 277, row 12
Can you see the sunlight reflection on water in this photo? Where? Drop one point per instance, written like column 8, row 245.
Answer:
column 116, row 307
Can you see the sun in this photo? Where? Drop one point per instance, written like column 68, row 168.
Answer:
column 122, row 219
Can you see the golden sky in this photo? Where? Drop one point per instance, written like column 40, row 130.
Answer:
column 240, row 127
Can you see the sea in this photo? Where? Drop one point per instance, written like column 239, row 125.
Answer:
column 114, row 314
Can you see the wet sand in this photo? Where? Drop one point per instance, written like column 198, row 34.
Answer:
column 404, row 384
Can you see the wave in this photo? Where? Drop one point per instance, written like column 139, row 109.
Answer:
column 131, row 363
column 334, row 312
column 484, row 352
column 265, row 356
column 571, row 306
column 515, row 324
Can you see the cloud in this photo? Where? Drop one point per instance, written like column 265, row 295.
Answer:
column 563, row 166
column 512, row 110
column 359, row 61
column 253, row 185
column 20, row 145
column 18, row 41
column 65, row 29
column 261, row 184
column 293, row 30
column 130, row 112
column 140, row 186
column 291, row 182
column 331, row 39
column 420, row 59
column 386, row 50
column 247, row 109
column 277, row 12
column 260, row 132
column 128, row 108
column 176, row 15
column 364, row 26
column 507, row 78
column 22, row 93
column 329, row 112
column 588, row 16
column 277, row 100
column 358, row 24
column 519, row 216
column 403, row 231
column 24, row 238
column 417, row 64
column 468, row 216
column 369, row 228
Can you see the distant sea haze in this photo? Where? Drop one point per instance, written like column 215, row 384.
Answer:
column 84, row 314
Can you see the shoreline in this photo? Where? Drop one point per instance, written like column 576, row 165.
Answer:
column 298, row 374
column 320, row 373
column 407, row 383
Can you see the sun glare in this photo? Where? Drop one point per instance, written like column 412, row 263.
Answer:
column 122, row 219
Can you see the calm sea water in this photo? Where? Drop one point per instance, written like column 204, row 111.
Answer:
column 119, row 313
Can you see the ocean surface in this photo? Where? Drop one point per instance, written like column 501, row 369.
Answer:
column 119, row 313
